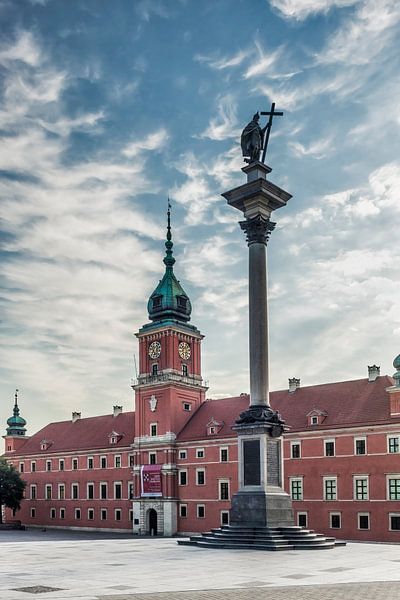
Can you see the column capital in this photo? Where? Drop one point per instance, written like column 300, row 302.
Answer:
column 257, row 229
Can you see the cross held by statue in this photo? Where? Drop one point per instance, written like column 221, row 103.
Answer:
column 272, row 113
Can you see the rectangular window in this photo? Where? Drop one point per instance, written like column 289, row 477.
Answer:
column 33, row 513
column 295, row 450
column 90, row 462
column 199, row 452
column 335, row 520
column 48, row 465
column 224, row 518
column 185, row 374
column 48, row 491
column 183, row 477
column 201, row 511
column 90, row 491
column 363, row 520
column 394, row 488
column 77, row 513
column 329, row 447
column 117, row 514
column 103, row 491
column 61, row 491
column 62, row 513
column 183, row 510
column 187, row 406
column 103, row 514
column 154, row 370
column 223, row 454
column 296, row 489
column 182, row 454
column 52, row 513
column 394, row 522
column 131, row 460
column 360, row 488
column 130, row 514
column 117, row 461
column 153, row 429
column 103, row 462
column 75, row 491
column 117, row 490
column 33, row 467
column 224, row 490
column 314, row 420
column 33, row 491
column 152, row 458
column 360, row 446
column 130, row 490
column 90, row 514
column 302, row 519
column 200, row 477
column 394, row 445
column 74, row 464
column 21, row 467
column 61, row 464
column 330, row 489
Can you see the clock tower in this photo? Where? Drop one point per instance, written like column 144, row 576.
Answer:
column 168, row 390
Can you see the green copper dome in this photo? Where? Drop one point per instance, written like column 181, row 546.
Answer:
column 169, row 300
column 396, row 362
column 16, row 424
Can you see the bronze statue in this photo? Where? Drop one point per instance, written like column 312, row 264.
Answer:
column 252, row 139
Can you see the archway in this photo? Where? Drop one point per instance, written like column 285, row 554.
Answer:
column 152, row 522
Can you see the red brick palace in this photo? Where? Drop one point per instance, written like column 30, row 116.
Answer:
column 170, row 466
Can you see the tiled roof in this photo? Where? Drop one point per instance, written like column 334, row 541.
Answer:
column 85, row 434
column 345, row 403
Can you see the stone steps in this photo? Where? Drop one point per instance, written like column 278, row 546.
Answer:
column 262, row 538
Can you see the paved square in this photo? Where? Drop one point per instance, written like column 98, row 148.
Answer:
column 93, row 567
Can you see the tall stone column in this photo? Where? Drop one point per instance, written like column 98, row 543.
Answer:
column 261, row 500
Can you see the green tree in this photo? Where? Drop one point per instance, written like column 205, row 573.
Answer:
column 11, row 487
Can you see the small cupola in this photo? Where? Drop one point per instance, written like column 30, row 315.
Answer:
column 16, row 424
column 169, row 300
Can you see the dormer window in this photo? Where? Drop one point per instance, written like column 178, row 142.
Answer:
column 45, row 444
column 214, row 426
column 316, row 416
column 314, row 420
column 182, row 302
column 157, row 302
column 114, row 437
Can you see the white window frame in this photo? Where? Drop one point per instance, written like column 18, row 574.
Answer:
column 393, row 436
column 330, row 441
column 295, row 480
column 154, row 454
column 49, row 464
column 302, row 513
column 103, row 456
column 90, row 511
column 187, row 406
column 393, row 514
column 335, row 514
column 61, row 461
column 62, row 513
column 61, row 486
column 75, row 461
column 77, row 511
column 388, row 478
column 330, row 478
column 131, row 490
column 179, row 476
column 48, row 486
column 33, row 466
column 33, row 488
column 221, row 520
column 292, row 444
column 185, row 506
column 89, row 484
column 117, row 458
column 90, row 458
column 115, row 488
column 21, row 467
column 118, row 511
column 75, row 484
column 360, row 478
column 197, row 476
column 362, row 438
column 102, row 517
column 200, row 453
column 224, row 448
column 220, row 482
column 314, row 420
column 155, row 425
column 182, row 454
column 198, row 506
column 364, row 514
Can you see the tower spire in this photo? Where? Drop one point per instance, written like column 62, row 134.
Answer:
column 169, row 260
column 16, row 424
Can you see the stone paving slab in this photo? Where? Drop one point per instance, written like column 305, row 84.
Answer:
column 380, row 590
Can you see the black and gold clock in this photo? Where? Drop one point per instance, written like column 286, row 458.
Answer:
column 184, row 350
column 154, row 349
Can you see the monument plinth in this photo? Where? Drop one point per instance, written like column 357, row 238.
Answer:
column 261, row 500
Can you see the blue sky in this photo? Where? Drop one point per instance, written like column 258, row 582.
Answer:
column 108, row 107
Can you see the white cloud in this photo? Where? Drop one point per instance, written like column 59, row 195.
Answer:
column 262, row 65
column 301, row 9
column 24, row 49
column 223, row 126
column 318, row 149
column 225, row 62
column 153, row 141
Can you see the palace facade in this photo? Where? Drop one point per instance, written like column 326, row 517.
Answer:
column 170, row 466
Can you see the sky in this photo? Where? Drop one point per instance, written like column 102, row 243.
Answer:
column 107, row 108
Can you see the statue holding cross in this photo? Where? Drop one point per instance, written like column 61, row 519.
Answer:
column 254, row 138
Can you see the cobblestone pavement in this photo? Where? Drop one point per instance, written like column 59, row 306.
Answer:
column 379, row 590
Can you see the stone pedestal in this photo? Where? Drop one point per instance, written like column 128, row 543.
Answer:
column 261, row 500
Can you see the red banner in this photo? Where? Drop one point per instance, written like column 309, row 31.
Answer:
column 150, row 476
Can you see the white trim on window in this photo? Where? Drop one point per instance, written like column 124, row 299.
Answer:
column 296, row 488
column 362, row 438
column 363, row 514
column 360, row 492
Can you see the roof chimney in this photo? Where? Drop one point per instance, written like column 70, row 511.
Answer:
column 117, row 410
column 373, row 372
column 294, row 383
column 76, row 416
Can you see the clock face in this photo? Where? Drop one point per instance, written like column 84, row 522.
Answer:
column 184, row 350
column 154, row 349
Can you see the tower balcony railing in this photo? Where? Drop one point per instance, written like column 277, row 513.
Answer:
column 162, row 377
